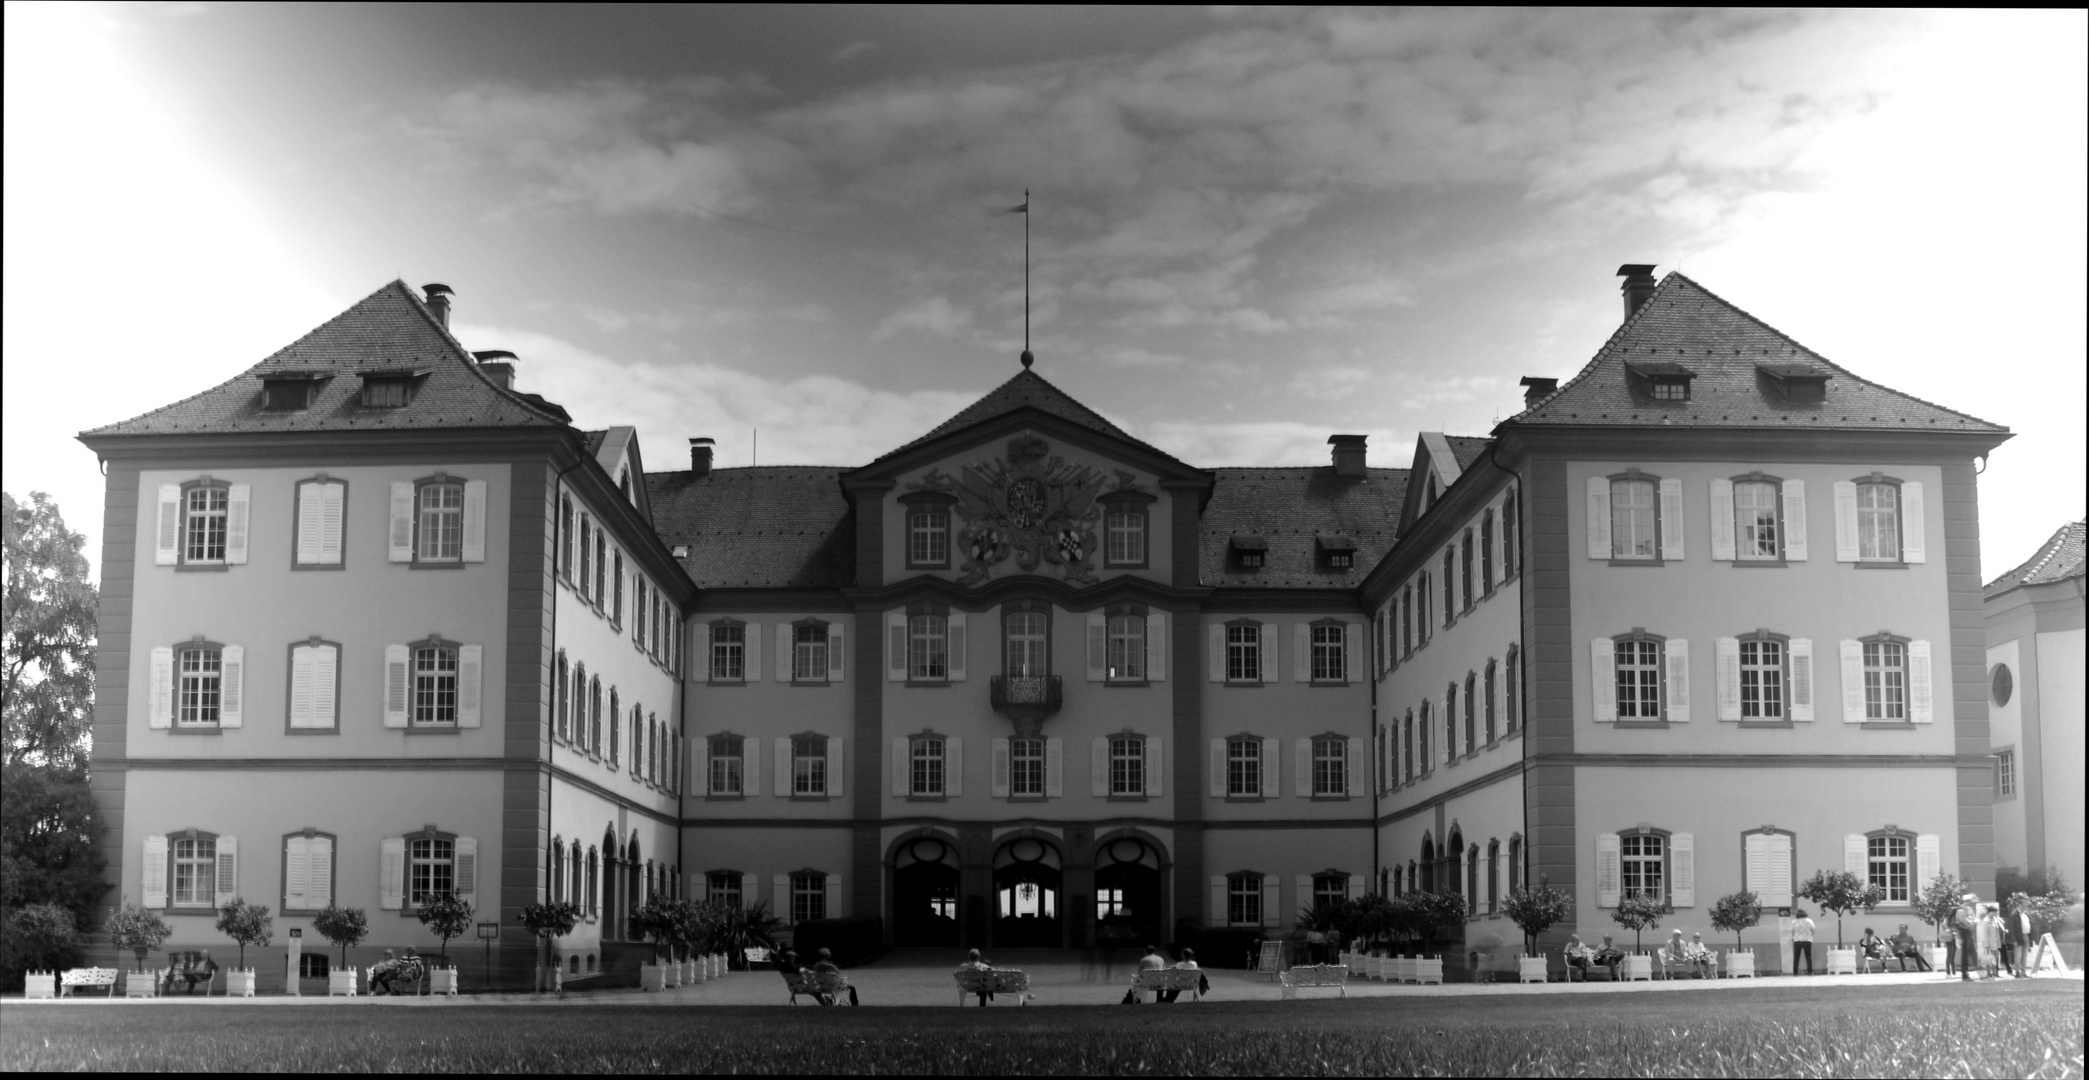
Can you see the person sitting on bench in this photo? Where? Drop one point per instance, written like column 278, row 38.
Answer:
column 974, row 963
column 1187, row 963
column 1905, row 949
column 826, row 964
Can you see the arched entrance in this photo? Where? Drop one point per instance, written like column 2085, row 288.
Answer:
column 924, row 893
column 1127, row 894
column 1027, row 894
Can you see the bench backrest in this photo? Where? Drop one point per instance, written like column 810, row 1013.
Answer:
column 90, row 977
column 991, row 981
column 1317, row 975
column 188, row 961
column 1169, row 979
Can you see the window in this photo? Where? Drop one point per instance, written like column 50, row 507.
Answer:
column 1026, row 772
column 1878, row 522
column 928, row 658
column 1407, row 622
column 320, row 511
column 1762, row 678
column 724, row 886
column 431, row 869
column 1671, row 389
column 1633, row 533
column 435, row 684
column 928, row 533
column 1465, row 566
column 926, row 767
column 1421, row 622
column 615, row 728
column 1422, row 737
column 1639, row 678
column 1450, row 585
column 1642, row 865
column 195, row 866
column 1248, row 551
column 1244, row 652
column 1886, row 866
column 1127, row 656
column 1407, row 747
column 315, row 686
column 728, row 772
column 1450, row 722
column 1025, row 634
column 1127, row 766
column 1885, row 681
column 1331, row 768
column 562, row 701
column 2001, row 684
column 1244, row 768
column 616, row 589
column 808, row 897
column 1755, row 520
column 202, row 684
column 566, row 537
column 1509, row 525
column 809, row 765
column 1328, row 643
column 587, row 555
column 2005, row 773
column 1244, row 900
column 439, row 522
column 591, row 724
column 1510, row 694
column 208, row 513
column 601, row 564
column 1472, row 742
column 1109, row 902
column 728, row 652
column 1330, row 891
column 1487, row 552
column 385, row 393
column 1493, row 876
column 1490, row 703
column 809, row 652
column 1124, row 535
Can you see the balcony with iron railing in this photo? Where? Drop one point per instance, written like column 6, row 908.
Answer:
column 1026, row 695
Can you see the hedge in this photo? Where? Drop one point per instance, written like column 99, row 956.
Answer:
column 852, row 941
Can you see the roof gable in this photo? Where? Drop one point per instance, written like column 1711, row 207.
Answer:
column 1027, row 393
column 2059, row 558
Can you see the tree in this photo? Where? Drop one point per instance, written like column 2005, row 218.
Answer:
column 342, row 927
column 39, row 937
column 1938, row 901
column 655, row 921
column 735, row 929
column 1536, row 910
column 50, row 839
column 1841, row 892
column 47, row 672
column 1437, row 912
column 137, row 931
column 1736, row 912
column 446, row 915
column 548, row 921
column 1639, row 912
column 247, row 924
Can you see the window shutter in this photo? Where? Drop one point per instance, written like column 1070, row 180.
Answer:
column 956, row 645
column 1099, row 767
column 1000, row 767
column 834, row 896
column 953, row 766
column 785, row 646
column 297, row 862
column 1156, row 646
column 1217, row 652
column 1853, row 855
column 1599, row 518
column 471, row 678
column 167, row 549
column 331, row 522
column 1800, row 651
column 1852, row 682
column 785, row 761
column 1913, row 547
column 160, row 708
column 902, row 750
column 1921, row 688
column 1218, row 768
column 1272, row 787
column 1302, row 769
column 1756, row 865
column 319, row 873
column 1780, row 879
column 1672, row 519
column 239, row 505
column 1351, row 766
column 154, row 894
column 1098, row 647
column 834, row 768
column 1682, row 864
column 1845, row 521
column 751, row 766
column 1603, row 679
column 1271, row 650
column 1302, row 652
column 467, row 870
column 228, row 871
column 750, row 892
column 1351, row 670
column 1795, row 520
column 309, row 510
column 1218, row 900
column 1722, row 520
column 700, row 755
column 1302, row 895
column 1929, row 859
column 1271, row 914
column 705, row 669
column 1676, row 656
column 473, row 542
column 1055, row 768
column 1356, row 886
column 231, row 686
column 303, row 658
column 834, row 652
column 402, row 524
column 1728, row 673
column 751, row 640
column 1608, row 870
column 1154, row 766
column 782, row 885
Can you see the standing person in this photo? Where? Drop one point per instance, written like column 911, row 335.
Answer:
column 1906, row 948
column 2020, row 931
column 1316, row 947
column 1965, row 932
column 2014, row 942
column 1334, row 946
column 1187, row 963
column 1254, row 953
column 1802, row 940
column 1990, row 941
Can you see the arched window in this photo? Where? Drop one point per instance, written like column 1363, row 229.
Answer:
column 1472, row 879
column 591, row 893
column 1450, row 875
column 1428, row 864
column 562, row 702
column 1493, row 876
column 1510, row 684
column 1515, row 863
column 558, row 870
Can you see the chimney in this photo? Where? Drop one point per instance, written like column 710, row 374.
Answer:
column 1536, row 389
column 700, row 458
column 499, row 365
column 1638, row 286
column 1349, row 454
column 439, row 302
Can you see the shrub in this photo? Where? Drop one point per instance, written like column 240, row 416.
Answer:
column 547, row 921
column 1217, row 946
column 1536, row 910
column 39, row 937
column 446, row 915
column 656, row 921
column 247, row 924
column 852, row 941
column 1841, row 892
column 137, row 931
column 1736, row 912
column 342, row 927
column 1434, row 913
column 732, row 930
column 1639, row 912
column 1939, row 899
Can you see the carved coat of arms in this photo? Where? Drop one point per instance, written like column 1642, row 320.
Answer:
column 1031, row 504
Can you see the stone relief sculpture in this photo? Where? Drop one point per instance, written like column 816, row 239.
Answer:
column 1031, row 504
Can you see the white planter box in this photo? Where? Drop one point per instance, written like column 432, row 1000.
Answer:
column 718, row 965
column 652, row 977
column 674, row 973
column 689, row 970
column 239, row 983
column 40, row 985
column 1740, row 965
column 1403, row 969
column 1429, row 970
column 700, row 969
column 1636, row 967
column 141, row 984
column 1935, row 955
column 1842, row 961
column 340, row 982
column 1530, row 969
column 443, row 980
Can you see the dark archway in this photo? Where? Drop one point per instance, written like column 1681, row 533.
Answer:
column 1128, row 894
column 924, row 893
column 1028, row 894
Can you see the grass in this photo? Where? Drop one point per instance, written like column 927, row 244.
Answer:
column 2023, row 1029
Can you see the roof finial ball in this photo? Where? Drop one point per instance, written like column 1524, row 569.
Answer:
column 1029, row 358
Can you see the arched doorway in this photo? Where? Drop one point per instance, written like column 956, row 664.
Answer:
column 1127, row 894
column 1027, row 885
column 924, row 893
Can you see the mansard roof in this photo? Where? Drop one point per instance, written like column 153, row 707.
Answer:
column 388, row 332
column 2059, row 558
column 1288, row 509
column 766, row 526
column 1735, row 363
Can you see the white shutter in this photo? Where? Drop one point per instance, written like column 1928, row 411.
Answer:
column 1271, row 912
column 1852, row 682
column 784, row 649
column 1351, row 767
column 1216, row 653
column 956, row 646
column 1271, row 650
column 303, row 658
column 1845, row 521
column 704, row 664
column 1156, row 646
column 834, row 895
column 1098, row 647
column 1302, row 891
column 167, row 548
column 160, row 705
column 1779, row 892
column 154, row 869
column 310, row 507
column 1351, row 670
column 1154, row 766
column 239, row 507
column 228, row 871
column 332, row 521
column 1914, row 548
column 781, row 897
column 1795, row 520
column 1302, row 767
column 1682, row 861
column 902, row 750
column 751, row 766
column 232, row 672
column 1603, row 678
column 1756, row 865
column 1728, row 674
column 1921, row 687
column 1800, row 651
column 1356, row 886
column 1929, row 860
column 1676, row 655
column 953, row 766
column 784, row 763
column 474, row 540
column 1608, row 870
column 1218, row 768
column 1099, row 767
column 834, row 652
column 319, row 873
column 751, row 664
column 1598, row 518
column 1218, row 900
column 401, row 547
column 1055, row 768
column 834, row 768
column 750, row 892
column 1001, row 764
column 1272, row 787
column 700, row 758
column 1671, row 519
column 1302, row 652
column 1853, row 854
column 297, row 873
column 467, row 870
column 471, row 680
column 1722, row 520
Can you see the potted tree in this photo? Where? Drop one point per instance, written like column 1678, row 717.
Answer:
column 1534, row 911
column 1734, row 913
column 1841, row 892
column 548, row 921
column 344, row 928
column 1435, row 913
column 246, row 924
column 134, row 930
column 1935, row 905
column 447, row 916
column 1639, row 912
column 653, row 921
column 736, row 929
column 693, row 924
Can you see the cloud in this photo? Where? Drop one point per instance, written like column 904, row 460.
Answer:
column 1272, row 442
column 1331, row 384
column 935, row 315
column 853, row 50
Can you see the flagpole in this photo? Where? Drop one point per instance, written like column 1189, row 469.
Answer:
column 1026, row 277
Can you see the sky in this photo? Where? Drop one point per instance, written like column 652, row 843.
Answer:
column 780, row 227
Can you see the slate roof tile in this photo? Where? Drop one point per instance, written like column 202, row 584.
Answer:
column 1027, row 389
column 766, row 526
column 1287, row 508
column 2059, row 558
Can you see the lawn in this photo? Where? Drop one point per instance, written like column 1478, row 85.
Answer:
column 2015, row 1029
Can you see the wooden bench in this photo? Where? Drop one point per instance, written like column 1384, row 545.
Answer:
column 971, row 982
column 189, row 968
column 1315, row 975
column 89, row 978
column 825, row 987
column 1179, row 980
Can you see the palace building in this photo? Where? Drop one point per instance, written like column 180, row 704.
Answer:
column 1029, row 681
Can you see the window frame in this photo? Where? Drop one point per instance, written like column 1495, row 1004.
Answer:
column 290, row 685
column 1776, row 486
column 1637, row 637
column 1642, row 835
column 1249, row 653
column 409, row 902
column 1244, row 898
column 1466, row 567
column 928, row 643
column 714, row 761
column 297, row 502
column 1512, row 700
column 209, row 879
column 1653, row 535
column 1024, row 610
column 711, row 666
column 726, row 885
column 224, row 540
column 1330, row 890
column 181, row 652
column 815, row 635
column 565, row 567
column 928, row 766
column 1332, row 780
column 816, row 759
column 1900, row 524
column 1130, row 646
column 1138, row 507
column 1488, row 570
column 1910, row 888
column 1126, row 762
column 444, row 647
column 1450, row 582
column 1783, row 642
column 1316, row 649
column 2005, row 772
column 1883, row 640
column 925, row 504
column 1510, row 522
column 1472, row 718
column 421, row 487
column 1020, row 762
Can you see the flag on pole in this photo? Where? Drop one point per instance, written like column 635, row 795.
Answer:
column 1023, row 209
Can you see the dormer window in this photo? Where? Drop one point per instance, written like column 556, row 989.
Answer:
column 290, row 391
column 1247, row 551
column 1799, row 384
column 1336, row 552
column 1671, row 389
column 1662, row 380
column 389, row 389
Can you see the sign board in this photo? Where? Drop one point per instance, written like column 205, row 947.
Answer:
column 1272, row 959
column 297, row 933
column 2045, row 956
column 488, row 931
column 293, row 950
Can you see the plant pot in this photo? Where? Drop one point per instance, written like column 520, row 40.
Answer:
column 39, row 985
column 443, row 981
column 1740, row 964
column 1530, row 969
column 1636, row 968
column 652, row 978
column 340, row 982
column 141, row 984
column 239, row 983
column 674, row 973
column 1842, row 961
column 699, row 969
column 718, row 965
column 689, row 970
column 1935, row 955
